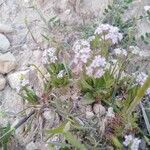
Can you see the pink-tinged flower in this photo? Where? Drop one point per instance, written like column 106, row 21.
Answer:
column 108, row 32
column 98, row 61
column 82, row 52
column 49, row 56
column 96, row 68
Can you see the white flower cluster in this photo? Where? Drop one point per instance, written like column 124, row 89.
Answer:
column 136, row 51
column 82, row 51
column 119, row 51
column 110, row 112
column 141, row 78
column 49, row 56
column 108, row 32
column 132, row 142
column 23, row 82
column 61, row 74
column 96, row 68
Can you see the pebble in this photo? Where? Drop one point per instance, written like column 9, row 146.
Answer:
column 99, row 109
column 7, row 63
column 4, row 43
column 5, row 28
column 2, row 83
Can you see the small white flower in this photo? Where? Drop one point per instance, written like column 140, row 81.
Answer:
column 61, row 74
column 49, row 56
column 119, row 51
column 26, row 1
column 91, row 38
column 147, row 8
column 134, row 50
column 141, row 78
column 148, row 91
column 132, row 142
column 128, row 140
column 135, row 144
column 110, row 112
column 124, row 52
column 114, row 61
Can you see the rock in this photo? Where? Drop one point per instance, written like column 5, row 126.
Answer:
column 14, row 79
column 3, row 118
column 4, row 43
column 95, row 7
column 7, row 63
column 51, row 117
column 12, row 103
column 30, row 76
column 2, row 82
column 31, row 146
column 89, row 114
column 99, row 109
column 5, row 28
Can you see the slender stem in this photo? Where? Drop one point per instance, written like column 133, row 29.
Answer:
column 39, row 72
column 139, row 96
column 22, row 121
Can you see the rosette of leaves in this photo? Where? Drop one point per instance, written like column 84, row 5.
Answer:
column 97, row 89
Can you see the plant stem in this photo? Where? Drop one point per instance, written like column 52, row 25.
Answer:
column 139, row 96
column 22, row 121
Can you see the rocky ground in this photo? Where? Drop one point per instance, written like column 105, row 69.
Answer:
column 22, row 24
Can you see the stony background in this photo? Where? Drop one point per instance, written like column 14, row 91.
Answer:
column 18, row 48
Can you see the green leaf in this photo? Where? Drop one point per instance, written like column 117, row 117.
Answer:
column 117, row 143
column 74, row 141
column 85, row 85
column 30, row 95
column 145, row 118
column 88, row 99
column 58, row 130
column 141, row 92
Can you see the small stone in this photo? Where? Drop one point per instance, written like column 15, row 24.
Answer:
column 2, row 82
column 31, row 146
column 12, row 103
column 89, row 114
column 99, row 109
column 7, row 63
column 51, row 117
column 5, row 28
column 4, row 43
column 14, row 79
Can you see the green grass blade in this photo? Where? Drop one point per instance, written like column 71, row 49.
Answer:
column 139, row 96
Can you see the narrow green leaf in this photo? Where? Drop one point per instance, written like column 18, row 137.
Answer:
column 141, row 92
column 74, row 141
